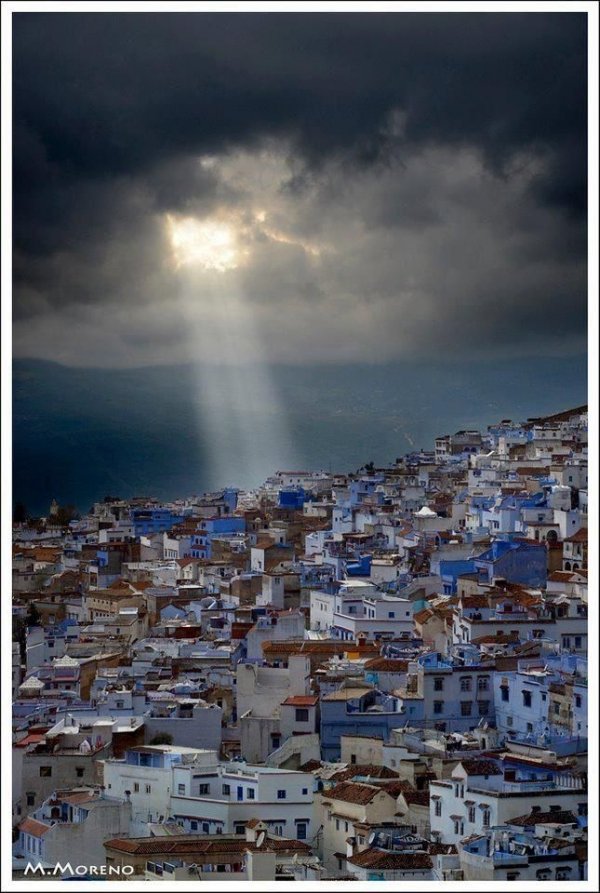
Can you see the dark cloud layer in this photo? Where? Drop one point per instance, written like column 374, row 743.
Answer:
column 112, row 110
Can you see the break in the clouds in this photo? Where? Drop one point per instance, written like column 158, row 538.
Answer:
column 362, row 187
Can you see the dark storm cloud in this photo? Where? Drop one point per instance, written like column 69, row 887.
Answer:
column 112, row 110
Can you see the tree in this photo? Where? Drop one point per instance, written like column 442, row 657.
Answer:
column 33, row 617
column 65, row 514
column 19, row 513
column 162, row 738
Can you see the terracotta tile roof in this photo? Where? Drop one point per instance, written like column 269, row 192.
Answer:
column 300, row 701
column 353, row 792
column 33, row 827
column 32, row 738
column 366, row 770
column 502, row 639
column 395, row 788
column 424, row 615
column 562, row 576
column 580, row 537
column 442, row 849
column 189, row 845
column 385, row 860
column 474, row 601
column 387, row 665
column 79, row 797
column 310, row 766
column 419, row 798
column 480, row 767
column 559, row 817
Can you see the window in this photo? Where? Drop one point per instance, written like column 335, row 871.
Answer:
column 438, row 707
column 181, row 788
column 438, row 683
column 226, row 789
column 582, row 809
column 304, row 791
column 30, row 798
column 438, row 807
column 529, row 727
column 79, row 770
column 512, row 875
column 250, row 793
column 205, row 827
column 391, row 614
column 301, row 715
column 465, row 683
column 194, row 825
column 526, row 699
column 136, row 787
column 486, row 818
column 484, row 707
column 556, row 708
column 337, row 824
column 471, row 814
column 281, row 795
column 577, row 641
column 301, row 831
column 45, row 771
column 504, row 692
column 203, row 789
column 148, row 789
column 578, row 700
column 465, row 708
column 483, row 683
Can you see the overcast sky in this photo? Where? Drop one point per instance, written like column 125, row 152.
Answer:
column 363, row 187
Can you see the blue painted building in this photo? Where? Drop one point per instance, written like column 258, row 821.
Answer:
column 293, row 498
column 350, row 712
column 365, row 487
column 516, row 561
column 451, row 570
column 361, row 567
column 209, row 529
column 153, row 520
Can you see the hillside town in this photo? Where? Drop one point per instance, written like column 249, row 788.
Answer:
column 375, row 675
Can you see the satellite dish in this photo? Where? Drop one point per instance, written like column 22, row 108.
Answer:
column 261, row 839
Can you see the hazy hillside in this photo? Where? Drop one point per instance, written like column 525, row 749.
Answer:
column 82, row 433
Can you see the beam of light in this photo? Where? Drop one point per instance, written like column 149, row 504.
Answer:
column 210, row 243
column 239, row 415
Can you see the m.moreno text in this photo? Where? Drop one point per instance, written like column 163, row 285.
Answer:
column 79, row 870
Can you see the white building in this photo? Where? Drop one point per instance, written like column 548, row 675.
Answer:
column 145, row 778
column 479, row 795
column 224, row 798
